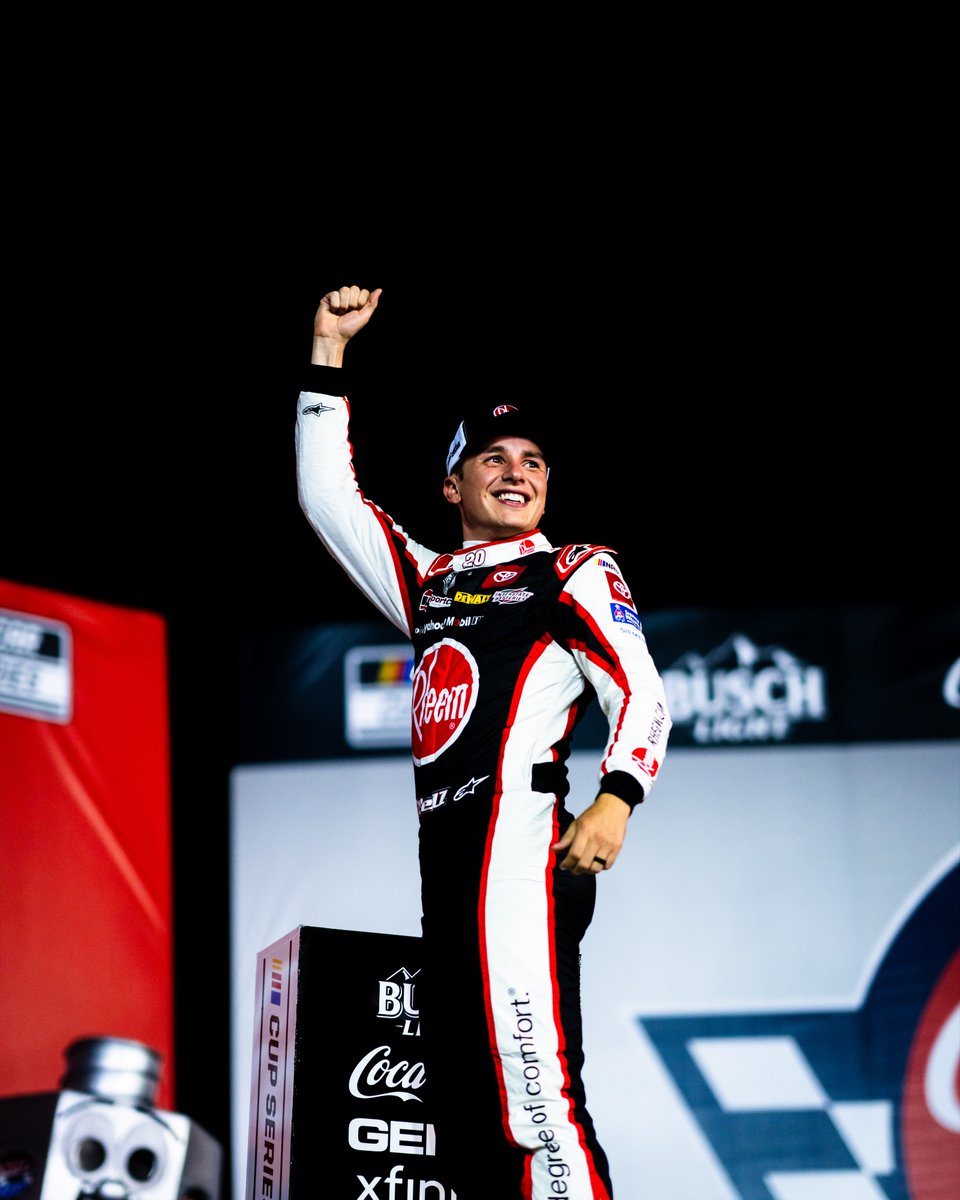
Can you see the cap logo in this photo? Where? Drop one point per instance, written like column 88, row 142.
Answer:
column 473, row 430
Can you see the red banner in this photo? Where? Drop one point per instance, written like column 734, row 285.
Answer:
column 86, row 914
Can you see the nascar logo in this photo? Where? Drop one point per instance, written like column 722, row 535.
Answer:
column 857, row 1104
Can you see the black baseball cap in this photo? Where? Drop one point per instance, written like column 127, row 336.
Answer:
column 485, row 422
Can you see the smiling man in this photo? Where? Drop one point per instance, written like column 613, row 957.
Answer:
column 499, row 481
column 513, row 638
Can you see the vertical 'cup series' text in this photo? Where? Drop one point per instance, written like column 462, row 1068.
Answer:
column 270, row 1108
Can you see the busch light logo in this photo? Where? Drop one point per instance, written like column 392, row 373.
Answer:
column 444, row 696
column 396, row 1002
column 855, row 1104
column 742, row 693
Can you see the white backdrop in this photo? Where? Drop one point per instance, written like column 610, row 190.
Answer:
column 753, row 880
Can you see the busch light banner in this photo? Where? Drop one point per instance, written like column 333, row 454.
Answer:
column 771, row 982
column 339, row 1102
column 734, row 678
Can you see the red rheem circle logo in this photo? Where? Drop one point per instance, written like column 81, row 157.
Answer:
column 444, row 696
column 931, row 1098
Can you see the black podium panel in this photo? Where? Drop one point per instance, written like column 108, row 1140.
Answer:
column 340, row 1100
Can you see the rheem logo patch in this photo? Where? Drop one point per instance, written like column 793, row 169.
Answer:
column 931, row 1101
column 444, row 697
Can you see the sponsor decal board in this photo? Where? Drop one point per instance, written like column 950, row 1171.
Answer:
column 339, row 1096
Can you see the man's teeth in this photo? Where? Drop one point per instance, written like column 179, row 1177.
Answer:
column 514, row 497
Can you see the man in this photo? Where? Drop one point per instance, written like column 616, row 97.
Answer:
column 512, row 639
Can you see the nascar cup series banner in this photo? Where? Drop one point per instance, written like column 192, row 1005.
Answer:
column 771, row 983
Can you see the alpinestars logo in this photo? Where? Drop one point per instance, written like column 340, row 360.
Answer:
column 854, row 1104
column 742, row 692
column 571, row 557
column 469, row 788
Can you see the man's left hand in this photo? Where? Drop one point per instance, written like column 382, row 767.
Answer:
column 593, row 840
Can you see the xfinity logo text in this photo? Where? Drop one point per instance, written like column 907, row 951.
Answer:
column 395, row 1187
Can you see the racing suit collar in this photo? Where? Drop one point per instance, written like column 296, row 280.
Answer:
column 489, row 554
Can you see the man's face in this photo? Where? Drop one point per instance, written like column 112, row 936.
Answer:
column 503, row 490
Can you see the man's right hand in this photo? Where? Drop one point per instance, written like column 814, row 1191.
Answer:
column 342, row 313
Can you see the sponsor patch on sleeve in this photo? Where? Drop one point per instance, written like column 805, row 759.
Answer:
column 623, row 614
column 618, row 589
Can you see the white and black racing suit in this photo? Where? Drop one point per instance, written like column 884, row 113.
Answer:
column 512, row 639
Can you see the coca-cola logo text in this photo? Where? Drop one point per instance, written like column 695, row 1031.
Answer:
column 375, row 1076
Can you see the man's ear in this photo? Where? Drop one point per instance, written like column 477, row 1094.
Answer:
column 451, row 489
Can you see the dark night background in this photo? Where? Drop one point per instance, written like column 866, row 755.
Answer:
column 746, row 402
